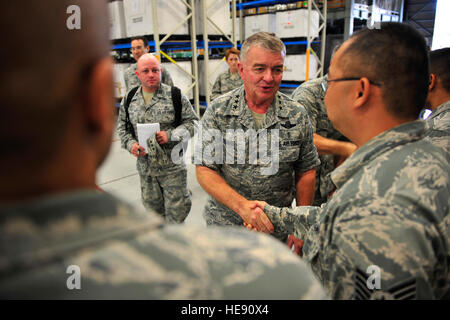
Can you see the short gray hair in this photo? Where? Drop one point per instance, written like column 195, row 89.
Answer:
column 264, row 40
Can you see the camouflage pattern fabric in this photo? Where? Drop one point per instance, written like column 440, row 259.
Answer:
column 166, row 195
column 126, row 254
column 157, row 166
column 296, row 153
column 390, row 210
column 311, row 96
column 438, row 124
column 225, row 82
column 131, row 79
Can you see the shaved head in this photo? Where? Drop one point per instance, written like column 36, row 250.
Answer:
column 45, row 66
column 149, row 72
column 146, row 58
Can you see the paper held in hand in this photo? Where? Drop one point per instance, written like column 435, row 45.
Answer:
column 145, row 131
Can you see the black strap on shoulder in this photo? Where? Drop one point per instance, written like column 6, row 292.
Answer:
column 128, row 125
column 176, row 99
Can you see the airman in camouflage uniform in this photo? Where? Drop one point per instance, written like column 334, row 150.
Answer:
column 225, row 82
column 163, row 181
column 385, row 231
column 310, row 95
column 438, row 100
column 230, row 79
column 56, row 229
column 125, row 254
column 131, row 79
column 391, row 210
column 439, row 127
column 296, row 153
column 139, row 46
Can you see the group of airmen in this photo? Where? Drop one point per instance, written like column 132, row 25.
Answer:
column 343, row 173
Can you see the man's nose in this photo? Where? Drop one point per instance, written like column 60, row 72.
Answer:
column 268, row 75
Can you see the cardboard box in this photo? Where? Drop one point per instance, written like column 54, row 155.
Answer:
column 139, row 17
column 116, row 20
column 294, row 23
column 295, row 67
column 257, row 23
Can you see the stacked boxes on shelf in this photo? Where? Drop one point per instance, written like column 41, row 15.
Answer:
column 116, row 20
column 139, row 17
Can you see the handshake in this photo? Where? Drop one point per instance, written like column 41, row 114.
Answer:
column 255, row 218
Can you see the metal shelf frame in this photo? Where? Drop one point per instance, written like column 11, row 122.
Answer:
column 159, row 42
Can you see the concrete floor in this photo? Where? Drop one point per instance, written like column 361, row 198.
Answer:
column 118, row 175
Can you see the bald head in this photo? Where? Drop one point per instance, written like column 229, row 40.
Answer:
column 44, row 67
column 146, row 58
column 149, row 72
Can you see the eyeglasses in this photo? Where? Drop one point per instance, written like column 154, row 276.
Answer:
column 136, row 48
column 325, row 81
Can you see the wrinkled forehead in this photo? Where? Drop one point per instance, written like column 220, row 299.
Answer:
column 260, row 55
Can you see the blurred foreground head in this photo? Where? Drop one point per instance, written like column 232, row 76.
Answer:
column 57, row 93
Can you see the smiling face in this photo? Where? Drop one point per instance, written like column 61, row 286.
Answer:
column 262, row 72
column 138, row 49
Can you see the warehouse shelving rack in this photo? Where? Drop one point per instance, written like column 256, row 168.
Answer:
column 310, row 39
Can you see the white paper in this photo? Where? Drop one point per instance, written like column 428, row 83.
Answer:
column 145, row 131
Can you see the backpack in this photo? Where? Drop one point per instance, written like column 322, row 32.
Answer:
column 176, row 99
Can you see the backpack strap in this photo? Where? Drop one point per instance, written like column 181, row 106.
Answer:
column 128, row 126
column 176, row 99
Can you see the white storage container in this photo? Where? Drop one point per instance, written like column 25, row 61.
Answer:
column 295, row 67
column 117, row 20
column 181, row 79
column 139, row 17
column 219, row 12
column 218, row 65
column 258, row 23
column 119, row 79
column 292, row 24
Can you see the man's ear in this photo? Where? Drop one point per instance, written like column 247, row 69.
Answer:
column 240, row 67
column 362, row 93
column 433, row 81
column 98, row 111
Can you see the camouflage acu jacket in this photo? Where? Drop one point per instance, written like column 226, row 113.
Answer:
column 160, row 110
column 286, row 137
column 438, row 124
column 87, row 245
column 311, row 96
column 131, row 79
column 385, row 231
column 225, row 82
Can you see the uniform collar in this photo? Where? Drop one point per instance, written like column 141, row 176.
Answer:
column 158, row 95
column 400, row 135
column 237, row 107
column 445, row 107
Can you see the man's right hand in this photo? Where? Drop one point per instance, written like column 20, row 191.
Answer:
column 255, row 217
column 137, row 150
